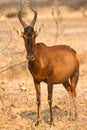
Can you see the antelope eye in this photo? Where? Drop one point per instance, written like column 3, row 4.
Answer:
column 30, row 34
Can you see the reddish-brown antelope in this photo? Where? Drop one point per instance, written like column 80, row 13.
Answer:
column 53, row 65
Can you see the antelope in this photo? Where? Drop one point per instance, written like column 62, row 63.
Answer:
column 50, row 64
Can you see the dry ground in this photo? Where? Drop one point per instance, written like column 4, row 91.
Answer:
column 20, row 110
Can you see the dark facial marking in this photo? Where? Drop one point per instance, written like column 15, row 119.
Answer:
column 28, row 31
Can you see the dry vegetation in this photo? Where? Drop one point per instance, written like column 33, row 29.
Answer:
column 18, row 110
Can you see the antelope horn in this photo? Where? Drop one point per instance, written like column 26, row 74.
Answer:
column 20, row 19
column 34, row 19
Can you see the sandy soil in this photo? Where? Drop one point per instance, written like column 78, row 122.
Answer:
column 18, row 110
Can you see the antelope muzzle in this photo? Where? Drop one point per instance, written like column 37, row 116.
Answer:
column 30, row 57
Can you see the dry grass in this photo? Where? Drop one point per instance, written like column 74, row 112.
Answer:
column 18, row 108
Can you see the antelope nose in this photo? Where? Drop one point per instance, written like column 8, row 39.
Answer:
column 30, row 58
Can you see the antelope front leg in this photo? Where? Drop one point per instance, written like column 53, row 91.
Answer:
column 50, row 91
column 38, row 93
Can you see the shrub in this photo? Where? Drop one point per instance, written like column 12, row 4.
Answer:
column 13, row 14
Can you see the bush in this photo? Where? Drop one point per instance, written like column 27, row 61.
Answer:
column 13, row 14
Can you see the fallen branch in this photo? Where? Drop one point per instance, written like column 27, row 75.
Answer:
column 13, row 66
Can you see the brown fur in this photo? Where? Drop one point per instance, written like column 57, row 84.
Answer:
column 53, row 65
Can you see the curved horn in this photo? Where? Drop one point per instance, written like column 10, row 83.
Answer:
column 34, row 19
column 20, row 19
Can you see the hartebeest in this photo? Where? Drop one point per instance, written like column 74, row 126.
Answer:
column 53, row 65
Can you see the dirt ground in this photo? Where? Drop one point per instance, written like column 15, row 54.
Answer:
column 18, row 109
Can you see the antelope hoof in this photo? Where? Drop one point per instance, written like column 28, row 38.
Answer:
column 51, row 124
column 38, row 122
column 72, row 118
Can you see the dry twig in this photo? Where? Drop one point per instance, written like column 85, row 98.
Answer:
column 58, row 19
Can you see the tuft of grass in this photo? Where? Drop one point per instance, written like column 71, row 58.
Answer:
column 13, row 14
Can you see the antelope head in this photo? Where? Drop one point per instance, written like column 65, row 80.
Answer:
column 29, row 34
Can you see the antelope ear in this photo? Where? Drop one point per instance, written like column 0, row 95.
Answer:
column 36, row 33
column 39, row 30
column 19, row 32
